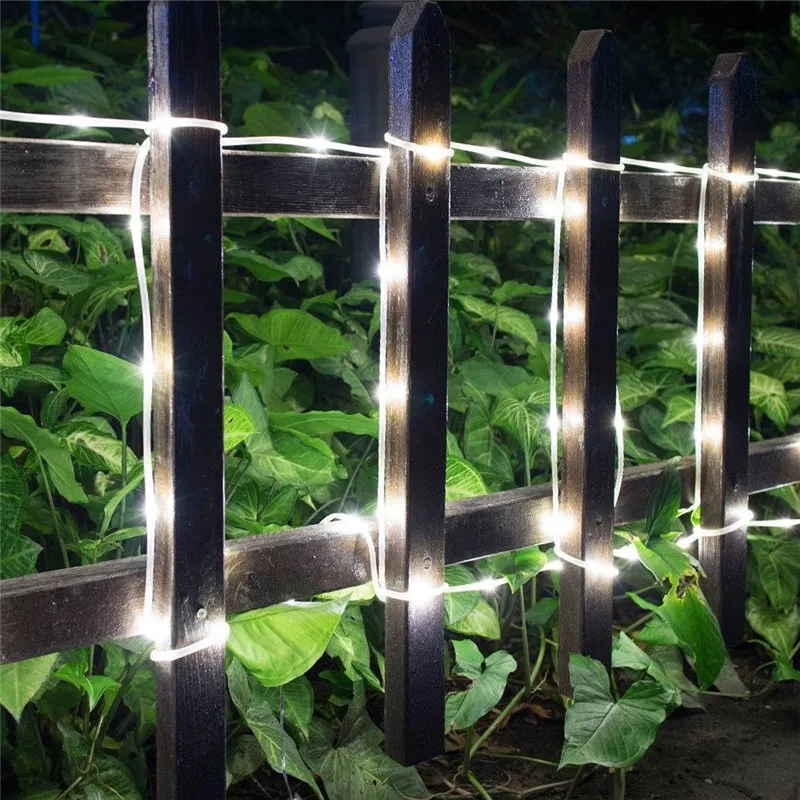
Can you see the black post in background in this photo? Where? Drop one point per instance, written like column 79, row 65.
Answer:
column 369, row 112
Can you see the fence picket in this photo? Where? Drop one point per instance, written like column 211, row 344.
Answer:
column 414, row 361
column 590, row 346
column 725, row 415
column 186, row 252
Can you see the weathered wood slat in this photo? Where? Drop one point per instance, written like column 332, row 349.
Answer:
column 414, row 316
column 83, row 605
column 591, row 202
column 186, row 257
column 725, row 412
column 89, row 178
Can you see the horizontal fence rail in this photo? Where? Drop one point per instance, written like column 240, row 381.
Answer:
column 66, row 177
column 54, row 611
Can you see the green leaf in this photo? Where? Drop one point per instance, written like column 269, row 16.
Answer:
column 779, row 629
column 294, row 334
column 635, row 389
column 356, row 768
column 481, row 621
column 318, row 226
column 21, row 681
column 18, row 555
column 643, row 273
column 95, row 686
column 511, row 290
column 48, row 75
column 664, row 502
column 777, row 341
column 664, row 558
column 245, row 756
column 494, row 378
column 13, row 499
column 489, row 677
column 298, row 703
column 462, row 480
column 11, row 377
column 44, row 328
column 94, row 447
column 680, row 354
column 675, row 439
column 687, row 612
column 769, row 395
column 276, row 744
column 657, row 632
column 476, row 264
column 779, row 571
column 43, row 268
column 280, row 643
column 237, row 426
column 48, row 447
column 320, row 423
column 349, row 643
column 509, row 320
column 680, row 408
column 600, row 730
column 517, row 419
column 635, row 311
column 102, row 382
column 458, row 604
column 291, row 458
column 626, row 655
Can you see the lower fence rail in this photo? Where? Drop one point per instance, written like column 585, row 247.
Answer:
column 55, row 611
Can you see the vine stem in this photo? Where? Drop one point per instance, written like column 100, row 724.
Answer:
column 526, row 652
column 515, row 700
column 49, row 494
column 478, row 786
column 638, row 622
column 124, row 476
column 367, row 451
column 467, row 750
column 619, row 784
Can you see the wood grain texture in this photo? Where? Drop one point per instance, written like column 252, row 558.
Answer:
column 88, row 178
column 186, row 257
column 591, row 203
column 81, row 606
column 414, row 317
column 725, row 412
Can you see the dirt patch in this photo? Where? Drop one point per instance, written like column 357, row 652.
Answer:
column 734, row 750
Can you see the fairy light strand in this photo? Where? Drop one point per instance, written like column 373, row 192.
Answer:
column 435, row 153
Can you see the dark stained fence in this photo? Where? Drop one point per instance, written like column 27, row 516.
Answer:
column 192, row 184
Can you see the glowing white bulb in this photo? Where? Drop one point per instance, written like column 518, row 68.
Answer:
column 619, row 421
column 599, row 568
column 671, row 166
column 320, row 143
column 775, row 523
column 553, row 566
column 710, row 433
column 629, row 552
column 553, row 316
column 81, row 121
column 714, row 244
column 146, row 369
column 573, row 314
column 552, row 421
column 433, row 153
column 391, row 392
column 389, row 270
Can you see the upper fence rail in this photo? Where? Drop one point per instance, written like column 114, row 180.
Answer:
column 72, row 177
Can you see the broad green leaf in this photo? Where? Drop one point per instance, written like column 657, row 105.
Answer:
column 102, row 382
column 458, row 604
column 94, row 447
column 43, row 268
column 680, row 408
column 643, row 273
column 657, row 632
column 49, row 448
column 779, row 571
column 489, row 677
column 664, row 558
column 45, row 327
column 291, row 458
column 21, row 681
column 18, row 555
column 509, row 320
column 13, row 498
column 95, row 686
column 779, row 629
column 280, row 643
column 600, row 730
column 317, row 226
column 237, row 426
column 299, row 267
column 294, row 334
column 482, row 449
column 635, row 311
column 494, row 378
column 354, row 767
column 777, row 341
column 462, row 480
column 48, row 75
column 517, row 567
column 11, row 377
column 664, row 502
column 627, row 655
column 511, row 290
column 276, row 744
column 476, row 264
column 320, row 423
column 687, row 612
column 544, row 613
column 244, row 757
column 349, row 643
column 298, row 703
column 635, row 389
column 680, row 354
column 769, row 395
column 518, row 420
column 676, row 439
column 481, row 621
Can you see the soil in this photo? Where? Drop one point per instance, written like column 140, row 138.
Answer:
column 733, row 750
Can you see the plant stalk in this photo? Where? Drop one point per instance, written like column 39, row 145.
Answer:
column 478, row 786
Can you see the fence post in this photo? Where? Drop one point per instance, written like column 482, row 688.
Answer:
column 414, row 365
column 725, row 409
column 590, row 347
column 368, row 49
column 186, row 254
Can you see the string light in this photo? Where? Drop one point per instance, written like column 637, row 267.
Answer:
column 388, row 271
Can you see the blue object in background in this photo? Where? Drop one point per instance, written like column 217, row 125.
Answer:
column 35, row 24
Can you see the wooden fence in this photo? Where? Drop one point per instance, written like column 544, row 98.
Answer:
column 192, row 184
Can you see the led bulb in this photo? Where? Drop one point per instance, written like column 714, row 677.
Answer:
column 552, row 421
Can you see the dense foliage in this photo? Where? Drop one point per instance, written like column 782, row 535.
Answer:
column 301, row 422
